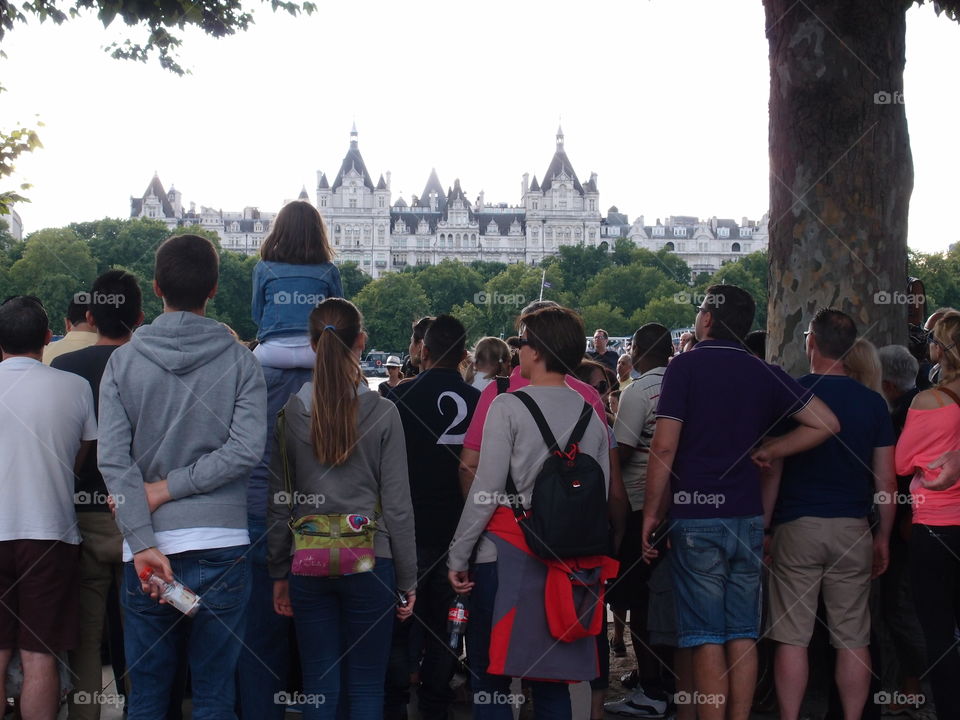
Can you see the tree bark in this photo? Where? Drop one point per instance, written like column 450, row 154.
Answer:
column 841, row 172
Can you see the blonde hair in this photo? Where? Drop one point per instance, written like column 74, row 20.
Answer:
column 493, row 353
column 862, row 363
column 947, row 333
column 335, row 325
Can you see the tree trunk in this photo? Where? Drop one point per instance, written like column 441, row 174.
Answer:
column 841, row 173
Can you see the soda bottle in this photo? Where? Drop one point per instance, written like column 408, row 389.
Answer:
column 457, row 620
column 175, row 593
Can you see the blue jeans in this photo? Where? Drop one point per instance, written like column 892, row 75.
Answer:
column 491, row 693
column 265, row 658
column 716, row 566
column 155, row 634
column 346, row 620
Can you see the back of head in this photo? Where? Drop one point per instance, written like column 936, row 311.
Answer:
column 335, row 325
column 587, row 368
column 732, row 310
column 756, row 343
column 534, row 306
column 23, row 325
column 115, row 303
column 187, row 270
column 298, row 236
column 492, row 354
column 420, row 327
column 899, row 367
column 446, row 341
column 834, row 332
column 651, row 342
column 947, row 334
column 557, row 334
column 76, row 310
column 935, row 317
column 862, row 363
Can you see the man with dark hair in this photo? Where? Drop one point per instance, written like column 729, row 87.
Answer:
column 600, row 353
column 716, row 403
column 78, row 335
column 114, row 311
column 48, row 426
column 650, row 351
column 822, row 541
column 732, row 310
column 756, row 342
column 183, row 412
column 552, row 335
column 835, row 333
column 435, row 408
column 411, row 366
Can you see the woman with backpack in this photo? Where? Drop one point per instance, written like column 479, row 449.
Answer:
column 508, row 577
column 339, row 483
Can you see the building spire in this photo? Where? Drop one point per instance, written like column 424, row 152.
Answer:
column 353, row 135
column 559, row 137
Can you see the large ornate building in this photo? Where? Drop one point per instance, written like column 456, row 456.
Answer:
column 380, row 234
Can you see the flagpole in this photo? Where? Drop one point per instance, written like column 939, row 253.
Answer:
column 542, row 279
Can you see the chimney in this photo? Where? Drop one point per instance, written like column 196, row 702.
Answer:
column 525, row 186
column 745, row 222
column 640, row 221
column 480, row 201
column 319, row 175
column 388, row 179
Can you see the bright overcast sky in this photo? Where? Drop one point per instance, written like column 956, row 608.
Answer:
column 666, row 101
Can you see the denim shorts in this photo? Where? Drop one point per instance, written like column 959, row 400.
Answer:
column 716, row 566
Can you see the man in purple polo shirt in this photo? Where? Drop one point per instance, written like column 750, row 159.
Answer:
column 717, row 403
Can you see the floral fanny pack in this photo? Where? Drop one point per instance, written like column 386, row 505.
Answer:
column 330, row 545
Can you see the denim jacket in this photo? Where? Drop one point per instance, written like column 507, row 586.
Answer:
column 284, row 295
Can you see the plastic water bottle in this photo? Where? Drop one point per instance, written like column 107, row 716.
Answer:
column 457, row 621
column 175, row 593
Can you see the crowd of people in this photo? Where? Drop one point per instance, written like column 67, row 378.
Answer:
column 470, row 523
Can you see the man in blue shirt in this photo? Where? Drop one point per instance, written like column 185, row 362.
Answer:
column 823, row 541
column 717, row 402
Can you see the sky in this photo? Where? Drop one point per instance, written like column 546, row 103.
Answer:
column 665, row 100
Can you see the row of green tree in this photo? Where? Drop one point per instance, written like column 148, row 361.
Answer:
column 617, row 290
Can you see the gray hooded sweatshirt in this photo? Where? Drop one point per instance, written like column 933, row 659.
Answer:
column 185, row 402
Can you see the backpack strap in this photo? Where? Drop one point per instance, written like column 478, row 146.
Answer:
column 282, row 438
column 541, row 421
column 949, row 393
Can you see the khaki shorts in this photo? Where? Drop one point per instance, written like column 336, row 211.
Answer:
column 813, row 555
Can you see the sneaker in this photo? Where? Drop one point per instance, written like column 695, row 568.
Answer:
column 630, row 680
column 638, row 705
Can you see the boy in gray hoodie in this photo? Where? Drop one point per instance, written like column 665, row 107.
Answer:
column 183, row 412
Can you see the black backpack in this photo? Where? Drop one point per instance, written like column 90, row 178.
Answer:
column 568, row 512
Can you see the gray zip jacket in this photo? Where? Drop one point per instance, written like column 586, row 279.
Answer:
column 377, row 469
column 184, row 401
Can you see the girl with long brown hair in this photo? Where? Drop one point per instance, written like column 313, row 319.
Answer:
column 295, row 273
column 339, row 452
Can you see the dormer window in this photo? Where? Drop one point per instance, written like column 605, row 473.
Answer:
column 258, row 227
column 658, row 232
column 679, row 232
column 723, row 232
column 746, row 232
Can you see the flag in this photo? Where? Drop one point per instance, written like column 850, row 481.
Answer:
column 547, row 284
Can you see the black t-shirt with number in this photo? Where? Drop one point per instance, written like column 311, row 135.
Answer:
column 436, row 408
column 89, row 363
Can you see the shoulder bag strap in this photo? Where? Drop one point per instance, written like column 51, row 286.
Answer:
column 281, row 432
column 950, row 393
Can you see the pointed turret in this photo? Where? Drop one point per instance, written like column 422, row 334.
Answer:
column 323, row 184
column 353, row 162
column 303, row 194
column 382, row 185
column 560, row 164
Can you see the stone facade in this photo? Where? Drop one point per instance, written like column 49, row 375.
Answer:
column 380, row 234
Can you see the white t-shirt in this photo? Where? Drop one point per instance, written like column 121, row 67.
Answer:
column 45, row 414
column 634, row 426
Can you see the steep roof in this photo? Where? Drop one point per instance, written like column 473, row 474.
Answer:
column 303, row 194
column 560, row 164
column 382, row 185
column 534, row 186
column 324, row 185
column 503, row 221
column 433, row 185
column 353, row 160
column 591, row 186
column 156, row 188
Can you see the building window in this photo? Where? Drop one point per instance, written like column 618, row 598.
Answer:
column 669, row 246
column 353, row 202
column 746, row 232
column 380, row 201
column 658, row 231
column 679, row 232
column 323, row 201
column 735, row 247
column 723, row 232
column 593, row 205
column 536, row 204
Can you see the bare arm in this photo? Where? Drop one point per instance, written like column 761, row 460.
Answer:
column 817, row 424
column 469, row 461
column 656, row 501
column 885, row 483
column 770, row 488
column 949, row 474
